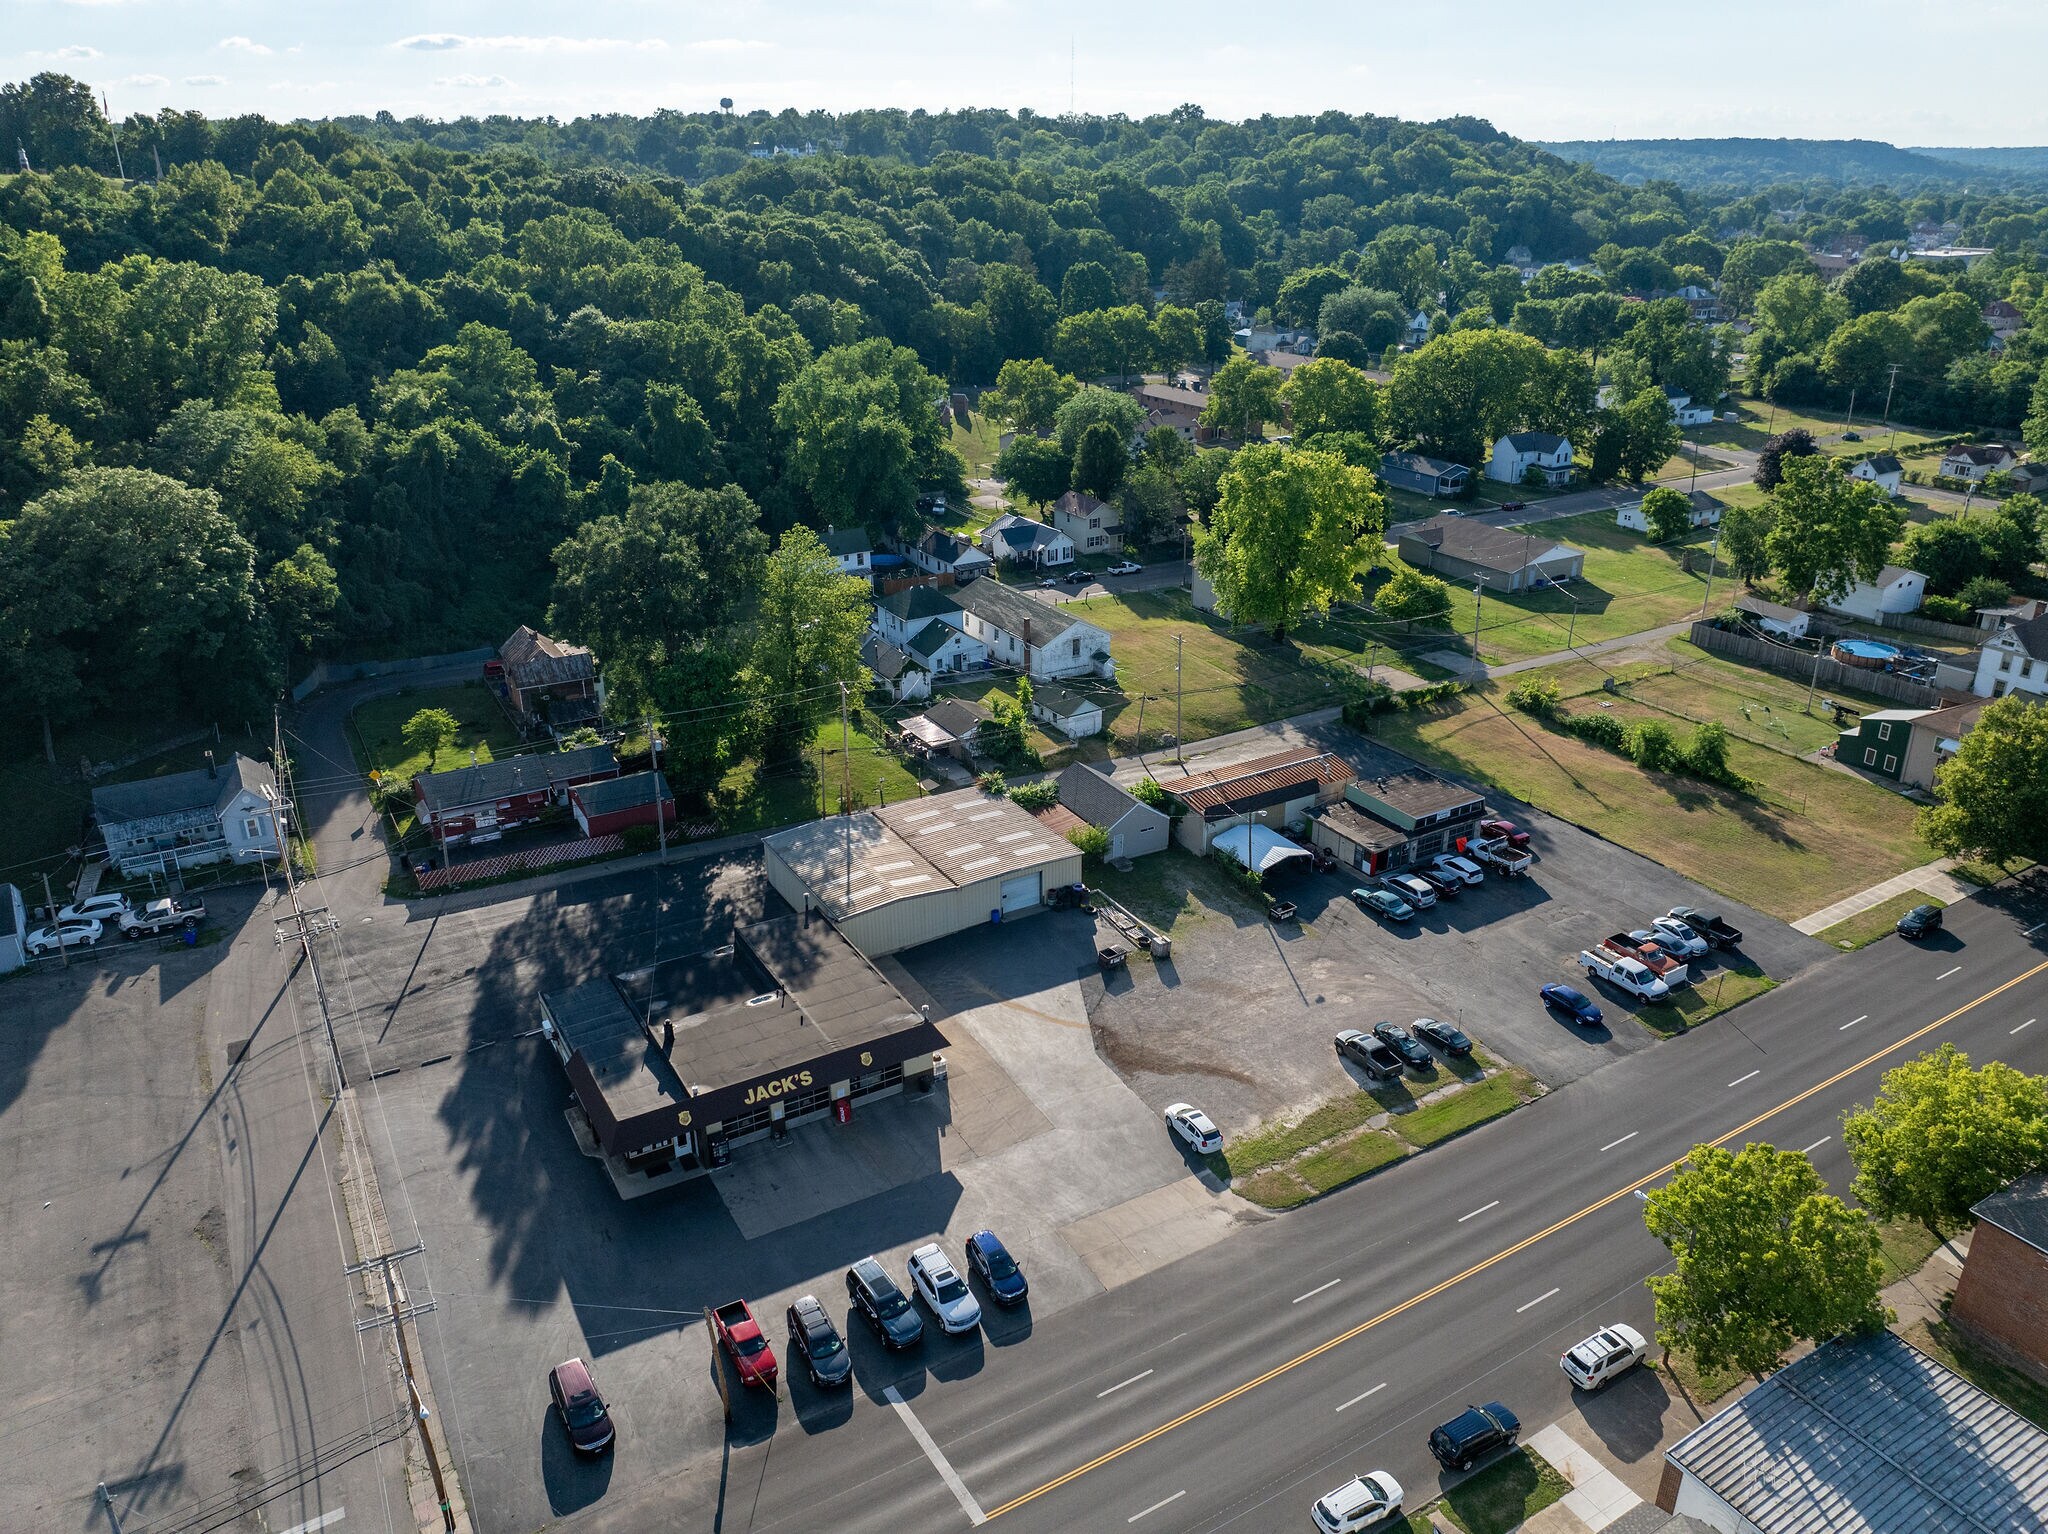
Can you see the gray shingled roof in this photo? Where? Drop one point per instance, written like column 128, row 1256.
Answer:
column 931, row 639
column 1535, row 441
column 176, row 792
column 918, row 602
column 2032, row 635
column 2020, row 1209
column 840, row 542
column 882, row 658
column 1011, row 611
column 956, row 717
column 508, row 777
column 1094, row 797
column 1867, row 1435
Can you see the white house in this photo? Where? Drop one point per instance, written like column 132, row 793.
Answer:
column 1704, row 511
column 942, row 649
column 2015, row 659
column 1134, row 828
column 1073, row 714
column 1772, row 617
column 1417, row 329
column 1044, row 639
column 943, row 554
column 1015, row 540
column 222, row 812
column 1685, row 412
column 1519, row 452
column 906, row 612
column 1974, row 463
column 896, row 670
column 851, row 548
column 1880, row 469
column 1093, row 525
column 1896, row 590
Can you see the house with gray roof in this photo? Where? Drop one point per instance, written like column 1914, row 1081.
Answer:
column 1437, row 478
column 1518, row 452
column 1134, row 827
column 941, row 553
column 1475, row 553
column 1015, row 540
column 851, row 547
column 1864, row 1435
column 1074, row 714
column 223, row 812
column 895, row 670
column 1047, row 640
column 902, row 613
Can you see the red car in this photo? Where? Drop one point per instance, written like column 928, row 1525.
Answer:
column 1504, row 830
column 579, row 1407
column 745, row 1344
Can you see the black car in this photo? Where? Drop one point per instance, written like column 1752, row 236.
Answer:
column 1445, row 886
column 579, row 1407
column 1380, row 1062
column 991, row 1262
column 1921, row 921
column 1475, row 1431
column 887, row 1309
column 1444, row 1037
column 814, row 1339
column 1413, row 1052
column 1078, row 577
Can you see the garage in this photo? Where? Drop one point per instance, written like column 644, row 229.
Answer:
column 1021, row 893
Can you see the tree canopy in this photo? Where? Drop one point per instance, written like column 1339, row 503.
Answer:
column 1291, row 533
column 1991, row 797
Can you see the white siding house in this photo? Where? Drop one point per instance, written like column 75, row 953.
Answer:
column 1093, row 526
column 1517, row 453
column 1896, row 590
column 1880, row 469
column 2015, row 659
column 221, row 813
column 1043, row 639
column 851, row 547
column 1015, row 540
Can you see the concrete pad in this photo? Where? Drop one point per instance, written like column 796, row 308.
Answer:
column 824, row 1165
column 1598, row 1496
column 1152, row 1230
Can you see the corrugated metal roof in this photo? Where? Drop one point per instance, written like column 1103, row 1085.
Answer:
column 1218, row 790
column 511, row 776
column 1867, row 1435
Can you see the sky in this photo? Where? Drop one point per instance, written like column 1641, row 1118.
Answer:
column 1579, row 69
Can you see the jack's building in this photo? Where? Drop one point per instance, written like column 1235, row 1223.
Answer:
column 673, row 1065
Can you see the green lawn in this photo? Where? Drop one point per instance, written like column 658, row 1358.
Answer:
column 1813, row 835
column 1175, row 892
column 979, row 445
column 1865, row 928
column 1759, row 422
column 1711, row 993
column 379, row 724
column 1461, row 1111
column 751, row 798
column 1282, row 1142
column 1506, row 1494
column 1349, row 1159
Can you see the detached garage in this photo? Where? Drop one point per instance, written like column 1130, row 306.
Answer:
column 909, row 873
column 613, row 804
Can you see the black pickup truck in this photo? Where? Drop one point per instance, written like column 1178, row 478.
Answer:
column 1708, row 925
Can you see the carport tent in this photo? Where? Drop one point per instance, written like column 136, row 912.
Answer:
column 1259, row 848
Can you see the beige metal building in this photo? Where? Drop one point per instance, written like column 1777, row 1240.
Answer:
column 924, row 869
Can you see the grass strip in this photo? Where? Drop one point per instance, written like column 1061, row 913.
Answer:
column 1866, row 927
column 1284, row 1141
column 1348, row 1160
column 1274, row 1188
column 1506, row 1494
column 1708, row 996
column 1460, row 1111
column 1941, row 1341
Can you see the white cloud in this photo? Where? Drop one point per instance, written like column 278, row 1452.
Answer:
column 443, row 42
column 472, row 82
column 728, row 45
column 145, row 82
column 206, row 79
column 242, row 45
column 75, row 53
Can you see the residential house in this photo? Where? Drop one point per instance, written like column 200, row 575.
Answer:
column 611, row 805
column 1044, row 639
column 903, row 613
column 2003, row 319
column 1015, row 540
column 482, row 801
column 1516, row 454
column 2002, row 1296
column 940, row 553
column 949, row 727
column 547, row 685
column 1974, row 462
column 1703, row 510
column 1181, row 409
column 1438, row 478
column 1095, row 527
column 220, row 813
column 1134, row 827
column 1275, row 790
column 1934, row 738
column 13, row 930
column 2018, row 610
column 1396, row 819
column 942, row 649
column 2029, row 478
column 1499, row 558
column 850, row 546
column 1772, row 617
column 1701, row 304
column 896, row 671
column 1896, row 590
column 1877, row 742
column 1268, row 338
column 1685, row 412
column 2015, row 659
column 1864, row 1435
column 1416, row 332
column 1075, row 715
column 1880, row 469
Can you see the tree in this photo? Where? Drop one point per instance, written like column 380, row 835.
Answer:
column 1636, row 437
column 1036, row 469
column 1372, row 317
column 302, row 592
column 1463, row 391
column 1243, row 396
column 1100, row 459
column 1668, row 512
column 1770, row 458
column 432, row 730
column 1984, row 591
column 1751, row 263
column 1745, row 538
column 807, row 636
column 1940, row 1136
column 1327, row 395
column 2035, row 430
column 1949, row 553
column 1028, row 393
column 1829, row 531
column 1087, row 285
column 1409, row 594
column 1201, row 479
column 1302, row 295
column 864, row 433
column 1291, row 533
column 1991, row 798
column 1149, row 502
column 1765, row 1257
column 1090, row 404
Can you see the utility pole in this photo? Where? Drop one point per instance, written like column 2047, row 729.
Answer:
column 846, row 791
column 398, row 1313
column 114, row 133
column 1478, row 601
column 1572, row 631
column 304, row 922
column 1178, row 759
column 1850, row 419
column 63, row 950
column 660, row 809
column 1713, row 550
column 1819, row 649
column 1891, row 382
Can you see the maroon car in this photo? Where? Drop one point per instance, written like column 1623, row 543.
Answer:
column 1505, row 830
column 584, row 1416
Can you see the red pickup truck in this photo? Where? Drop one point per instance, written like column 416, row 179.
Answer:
column 745, row 1344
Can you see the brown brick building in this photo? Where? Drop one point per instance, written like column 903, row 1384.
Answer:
column 2002, row 1296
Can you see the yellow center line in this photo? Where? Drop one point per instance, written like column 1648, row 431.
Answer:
column 1498, row 1257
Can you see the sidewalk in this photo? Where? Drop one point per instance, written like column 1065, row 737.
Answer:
column 1928, row 879
column 1597, row 1497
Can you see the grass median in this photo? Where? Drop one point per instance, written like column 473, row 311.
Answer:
column 1506, row 1494
column 1709, row 995
column 1466, row 1109
column 1866, row 927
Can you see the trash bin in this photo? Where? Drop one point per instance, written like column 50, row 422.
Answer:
column 191, row 937
column 1162, row 946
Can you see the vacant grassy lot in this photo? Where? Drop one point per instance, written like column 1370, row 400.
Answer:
column 380, row 722
column 1759, row 420
column 1506, row 1494
column 1711, row 993
column 1813, row 835
column 1349, row 1159
column 1174, row 890
column 752, row 798
column 1865, row 928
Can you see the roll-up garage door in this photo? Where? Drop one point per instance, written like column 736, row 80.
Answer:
column 1021, row 893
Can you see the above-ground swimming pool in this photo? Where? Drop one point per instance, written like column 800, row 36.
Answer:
column 1868, row 654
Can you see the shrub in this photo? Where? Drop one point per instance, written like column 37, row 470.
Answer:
column 1597, row 728
column 1092, row 840
column 1240, row 875
column 1653, row 746
column 992, row 783
column 1948, row 609
column 1706, row 754
column 1984, row 591
column 1409, row 594
column 1428, row 697
column 1668, row 513
column 1376, row 699
column 1035, row 796
column 1538, row 695
column 1148, row 791
column 640, row 838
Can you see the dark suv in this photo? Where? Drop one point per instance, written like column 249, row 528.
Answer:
column 887, row 1309
column 814, row 1339
column 1921, row 921
column 1473, row 1432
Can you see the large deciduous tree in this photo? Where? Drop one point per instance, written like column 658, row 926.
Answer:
column 1829, row 531
column 1036, row 469
column 807, row 637
column 1745, row 538
column 1243, row 396
column 1330, row 396
column 863, row 430
column 1764, row 1257
column 1291, row 533
column 1777, row 451
column 1100, row 458
column 1940, row 1136
column 1090, row 404
column 1462, row 392
column 1991, row 797
column 1028, row 392
column 1667, row 512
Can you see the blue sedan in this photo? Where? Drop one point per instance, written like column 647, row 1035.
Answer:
column 996, row 1268
column 1574, row 1004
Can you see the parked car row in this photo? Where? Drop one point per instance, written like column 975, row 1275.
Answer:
column 84, row 922
column 1398, row 896
column 1651, row 961
column 1390, row 1048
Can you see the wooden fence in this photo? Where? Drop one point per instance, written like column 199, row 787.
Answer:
column 1831, row 676
column 1933, row 628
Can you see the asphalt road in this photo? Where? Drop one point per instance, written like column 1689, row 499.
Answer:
column 1228, row 1390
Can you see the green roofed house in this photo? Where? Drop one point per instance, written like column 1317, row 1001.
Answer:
column 1073, row 714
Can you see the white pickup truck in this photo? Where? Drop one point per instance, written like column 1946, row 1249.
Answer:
column 1631, row 976
column 1499, row 857
column 161, row 916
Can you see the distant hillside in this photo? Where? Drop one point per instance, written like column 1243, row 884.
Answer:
column 1750, row 162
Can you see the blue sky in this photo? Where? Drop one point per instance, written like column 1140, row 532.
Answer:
column 1583, row 69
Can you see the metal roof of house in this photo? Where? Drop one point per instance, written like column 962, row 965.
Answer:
column 607, row 796
column 1479, row 543
column 511, row 776
column 1218, row 791
column 1094, row 797
column 1867, row 1435
column 176, row 792
column 1013, row 612
column 2020, row 1209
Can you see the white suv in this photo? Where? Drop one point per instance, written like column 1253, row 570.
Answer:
column 1604, row 1357
column 100, row 908
column 934, row 1277
column 1365, row 1502
column 1451, row 866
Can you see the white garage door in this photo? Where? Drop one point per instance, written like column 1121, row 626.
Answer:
column 1021, row 893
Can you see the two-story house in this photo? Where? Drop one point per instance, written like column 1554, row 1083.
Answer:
column 1043, row 639
column 1517, row 453
column 1896, row 590
column 852, row 548
column 1094, row 526
column 2015, row 659
column 223, row 812
column 1015, row 540
column 940, row 553
column 927, row 625
column 546, row 684
column 1975, row 462
column 1180, row 409
column 1685, row 411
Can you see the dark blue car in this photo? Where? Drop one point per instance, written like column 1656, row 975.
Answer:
column 997, row 1269
column 1574, row 1004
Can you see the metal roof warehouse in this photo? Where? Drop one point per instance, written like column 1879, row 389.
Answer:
column 673, row 1063
column 908, row 873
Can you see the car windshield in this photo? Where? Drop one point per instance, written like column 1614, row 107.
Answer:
column 825, row 1344
column 1001, row 1265
column 891, row 1304
column 948, row 1289
column 747, row 1347
column 587, row 1412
